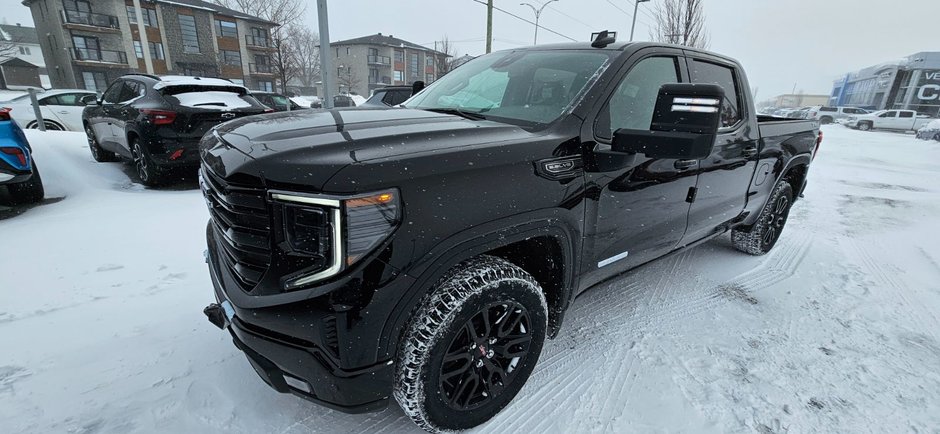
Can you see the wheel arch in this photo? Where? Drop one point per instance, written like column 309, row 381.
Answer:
column 512, row 238
column 35, row 122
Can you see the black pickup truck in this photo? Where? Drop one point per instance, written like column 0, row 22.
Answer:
column 425, row 252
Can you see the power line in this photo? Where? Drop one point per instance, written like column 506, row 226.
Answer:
column 530, row 22
column 642, row 10
column 625, row 12
column 573, row 18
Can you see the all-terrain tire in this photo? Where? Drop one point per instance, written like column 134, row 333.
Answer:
column 763, row 235
column 28, row 192
column 97, row 152
column 442, row 325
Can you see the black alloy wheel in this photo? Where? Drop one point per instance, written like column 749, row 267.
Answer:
column 484, row 355
column 776, row 219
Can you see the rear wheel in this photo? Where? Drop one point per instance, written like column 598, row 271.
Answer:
column 825, row 120
column 97, row 152
column 28, row 192
column 471, row 345
column 864, row 126
column 760, row 238
column 50, row 125
column 148, row 172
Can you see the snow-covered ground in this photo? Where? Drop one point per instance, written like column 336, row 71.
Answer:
column 837, row 330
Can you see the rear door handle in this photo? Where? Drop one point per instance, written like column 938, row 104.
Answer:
column 685, row 164
column 749, row 151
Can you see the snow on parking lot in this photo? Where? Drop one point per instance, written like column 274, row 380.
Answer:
column 837, row 329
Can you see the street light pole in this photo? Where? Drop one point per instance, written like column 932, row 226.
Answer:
column 538, row 13
column 636, row 8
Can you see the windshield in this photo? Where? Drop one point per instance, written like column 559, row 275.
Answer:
column 530, row 87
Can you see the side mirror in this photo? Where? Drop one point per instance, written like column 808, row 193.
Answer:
column 685, row 124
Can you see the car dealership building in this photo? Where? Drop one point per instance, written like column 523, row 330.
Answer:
column 912, row 83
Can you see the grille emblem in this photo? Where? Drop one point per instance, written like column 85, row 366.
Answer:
column 228, row 115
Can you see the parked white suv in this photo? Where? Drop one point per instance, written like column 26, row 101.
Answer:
column 902, row 120
column 828, row 115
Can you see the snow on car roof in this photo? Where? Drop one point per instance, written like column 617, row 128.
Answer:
column 181, row 80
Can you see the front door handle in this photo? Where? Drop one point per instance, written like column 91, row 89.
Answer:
column 63, row 112
column 749, row 151
column 685, row 164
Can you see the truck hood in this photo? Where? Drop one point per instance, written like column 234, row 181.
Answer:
column 306, row 148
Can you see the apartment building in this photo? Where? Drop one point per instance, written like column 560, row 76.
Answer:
column 366, row 63
column 87, row 44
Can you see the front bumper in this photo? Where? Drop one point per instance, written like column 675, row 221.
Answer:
column 298, row 365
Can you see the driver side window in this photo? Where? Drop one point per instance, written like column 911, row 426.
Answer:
column 632, row 103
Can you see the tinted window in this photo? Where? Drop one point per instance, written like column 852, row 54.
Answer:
column 828, row 109
column 704, row 72
column 113, row 93
column 632, row 103
column 890, row 114
column 906, row 114
column 395, row 97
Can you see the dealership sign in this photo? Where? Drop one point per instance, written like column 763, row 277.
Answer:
column 930, row 91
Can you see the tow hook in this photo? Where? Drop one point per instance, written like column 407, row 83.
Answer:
column 216, row 315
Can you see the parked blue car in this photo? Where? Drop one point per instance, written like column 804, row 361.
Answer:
column 18, row 171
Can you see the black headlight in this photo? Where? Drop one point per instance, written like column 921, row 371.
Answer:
column 315, row 226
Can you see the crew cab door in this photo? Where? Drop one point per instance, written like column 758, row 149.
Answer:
column 887, row 120
column 641, row 206
column 906, row 120
column 724, row 176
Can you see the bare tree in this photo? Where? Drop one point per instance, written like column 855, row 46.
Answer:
column 348, row 79
column 681, row 22
column 305, row 48
column 282, row 12
column 444, row 63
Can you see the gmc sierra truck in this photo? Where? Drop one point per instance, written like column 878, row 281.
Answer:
column 425, row 252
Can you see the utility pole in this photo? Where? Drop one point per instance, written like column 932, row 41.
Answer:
column 326, row 59
column 636, row 8
column 538, row 13
column 489, row 26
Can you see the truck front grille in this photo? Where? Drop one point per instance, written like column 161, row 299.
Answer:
column 242, row 225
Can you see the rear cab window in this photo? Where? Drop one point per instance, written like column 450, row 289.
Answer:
column 723, row 75
column 828, row 109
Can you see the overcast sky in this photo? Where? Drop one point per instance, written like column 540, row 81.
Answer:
column 780, row 43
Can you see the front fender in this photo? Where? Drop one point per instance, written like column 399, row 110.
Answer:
column 560, row 224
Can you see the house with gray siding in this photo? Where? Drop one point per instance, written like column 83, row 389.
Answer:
column 87, row 44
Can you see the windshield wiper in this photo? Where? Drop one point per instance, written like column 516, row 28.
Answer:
column 456, row 111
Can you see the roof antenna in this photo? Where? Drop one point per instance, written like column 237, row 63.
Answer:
column 603, row 38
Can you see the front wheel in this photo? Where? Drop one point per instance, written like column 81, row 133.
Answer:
column 97, row 152
column 471, row 345
column 760, row 238
column 864, row 126
column 29, row 192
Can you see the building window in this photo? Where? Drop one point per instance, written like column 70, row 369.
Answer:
column 373, row 75
column 398, row 76
column 373, row 51
column 226, row 29
column 266, row 86
column 337, row 52
column 24, row 50
column 428, row 78
column 156, row 50
column 259, row 36
column 190, row 37
column 77, row 5
column 413, row 60
column 233, row 58
column 238, row 81
column 428, row 60
column 138, row 50
column 150, row 16
column 86, row 48
column 95, row 80
column 399, row 56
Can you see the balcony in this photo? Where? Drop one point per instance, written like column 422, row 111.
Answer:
column 256, row 42
column 77, row 18
column 102, row 56
column 377, row 81
column 260, row 68
column 380, row 60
